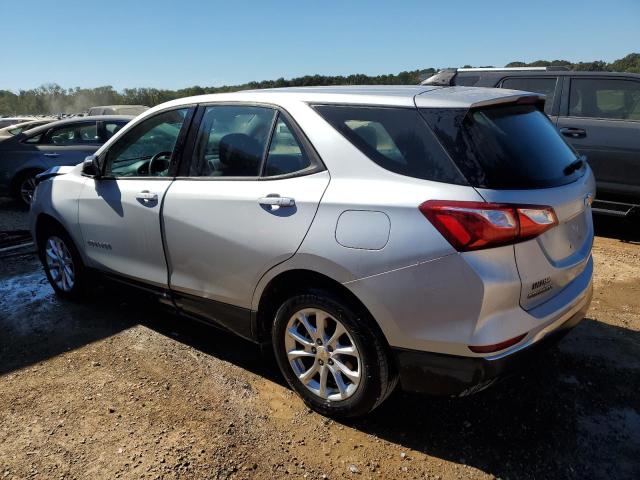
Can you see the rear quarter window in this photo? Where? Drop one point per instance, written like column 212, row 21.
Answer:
column 544, row 86
column 396, row 139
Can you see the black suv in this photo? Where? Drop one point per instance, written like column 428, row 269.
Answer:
column 598, row 113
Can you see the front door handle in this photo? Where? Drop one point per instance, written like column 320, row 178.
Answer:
column 51, row 154
column 573, row 132
column 147, row 195
column 277, row 200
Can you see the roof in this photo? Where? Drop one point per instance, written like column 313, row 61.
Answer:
column 552, row 68
column 446, row 77
column 383, row 95
column 573, row 73
column 118, row 106
column 66, row 121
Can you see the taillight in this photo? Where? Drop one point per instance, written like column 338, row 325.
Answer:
column 477, row 225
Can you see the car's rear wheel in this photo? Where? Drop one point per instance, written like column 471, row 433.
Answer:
column 62, row 263
column 332, row 355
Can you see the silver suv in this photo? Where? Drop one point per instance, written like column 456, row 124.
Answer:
column 435, row 236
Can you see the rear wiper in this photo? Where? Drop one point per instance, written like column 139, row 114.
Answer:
column 575, row 165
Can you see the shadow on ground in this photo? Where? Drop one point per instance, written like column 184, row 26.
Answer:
column 550, row 421
column 623, row 229
column 574, row 414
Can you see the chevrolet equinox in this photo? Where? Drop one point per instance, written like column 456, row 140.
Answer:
column 434, row 236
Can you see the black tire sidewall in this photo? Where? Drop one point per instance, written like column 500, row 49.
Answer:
column 372, row 384
column 20, row 179
column 78, row 289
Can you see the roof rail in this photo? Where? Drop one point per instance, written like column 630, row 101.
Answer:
column 551, row 68
column 444, row 78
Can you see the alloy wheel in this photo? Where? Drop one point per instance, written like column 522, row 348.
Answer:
column 27, row 188
column 60, row 264
column 322, row 354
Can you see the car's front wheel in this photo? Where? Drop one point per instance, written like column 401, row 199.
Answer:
column 62, row 263
column 332, row 355
column 25, row 186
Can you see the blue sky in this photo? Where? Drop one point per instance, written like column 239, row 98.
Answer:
column 175, row 44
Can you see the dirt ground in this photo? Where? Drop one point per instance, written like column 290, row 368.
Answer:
column 115, row 388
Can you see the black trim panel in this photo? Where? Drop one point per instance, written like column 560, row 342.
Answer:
column 442, row 374
column 230, row 317
column 237, row 320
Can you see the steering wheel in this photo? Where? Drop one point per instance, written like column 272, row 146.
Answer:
column 155, row 158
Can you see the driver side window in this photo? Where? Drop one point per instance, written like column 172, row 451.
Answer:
column 146, row 149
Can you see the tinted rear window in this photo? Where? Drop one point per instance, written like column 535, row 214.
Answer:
column 512, row 147
column 397, row 139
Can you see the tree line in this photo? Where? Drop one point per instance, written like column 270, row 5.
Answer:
column 54, row 99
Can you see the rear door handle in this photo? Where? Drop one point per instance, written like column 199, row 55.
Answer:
column 147, row 195
column 573, row 132
column 51, row 154
column 277, row 200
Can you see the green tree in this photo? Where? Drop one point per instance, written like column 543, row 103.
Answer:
column 52, row 98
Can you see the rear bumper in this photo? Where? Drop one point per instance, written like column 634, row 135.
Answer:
column 442, row 374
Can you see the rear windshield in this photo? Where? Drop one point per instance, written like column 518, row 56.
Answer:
column 509, row 147
column 397, row 139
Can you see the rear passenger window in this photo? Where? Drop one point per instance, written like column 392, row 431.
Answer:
column 74, row 134
column 232, row 141
column 111, row 128
column 396, row 139
column 605, row 98
column 286, row 155
column 545, row 86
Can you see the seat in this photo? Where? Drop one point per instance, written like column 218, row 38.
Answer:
column 368, row 134
column 240, row 155
column 281, row 164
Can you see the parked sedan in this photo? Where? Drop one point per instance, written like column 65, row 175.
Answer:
column 118, row 110
column 13, row 130
column 65, row 142
column 8, row 121
column 435, row 236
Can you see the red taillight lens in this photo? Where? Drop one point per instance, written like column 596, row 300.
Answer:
column 476, row 225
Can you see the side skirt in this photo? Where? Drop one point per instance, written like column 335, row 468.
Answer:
column 231, row 318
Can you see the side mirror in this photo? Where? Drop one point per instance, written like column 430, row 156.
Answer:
column 91, row 167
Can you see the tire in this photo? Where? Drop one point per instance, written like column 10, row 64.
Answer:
column 23, row 187
column 371, row 377
column 55, row 247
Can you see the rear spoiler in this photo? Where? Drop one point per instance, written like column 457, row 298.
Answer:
column 528, row 99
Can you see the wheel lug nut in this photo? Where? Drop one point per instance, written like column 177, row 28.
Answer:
column 313, row 350
column 319, row 342
column 330, row 348
column 330, row 362
column 320, row 362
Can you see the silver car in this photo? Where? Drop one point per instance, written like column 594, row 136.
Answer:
column 427, row 235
